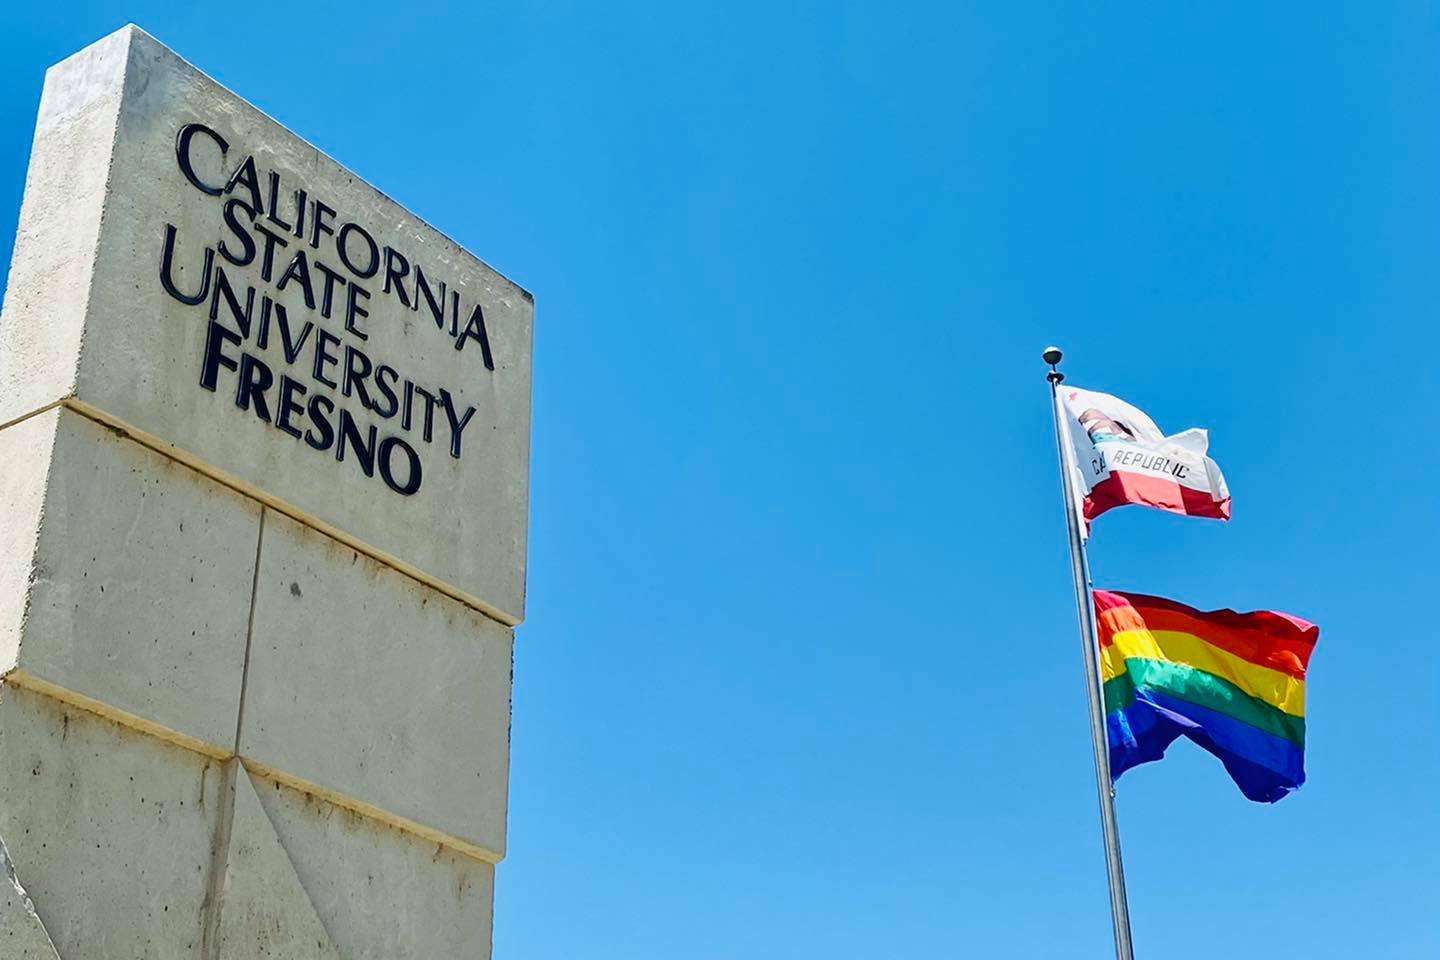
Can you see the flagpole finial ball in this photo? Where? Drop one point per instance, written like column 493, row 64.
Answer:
column 1052, row 355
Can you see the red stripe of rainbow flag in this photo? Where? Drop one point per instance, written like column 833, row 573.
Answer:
column 1234, row 683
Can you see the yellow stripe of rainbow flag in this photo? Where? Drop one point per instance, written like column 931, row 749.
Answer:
column 1275, row 688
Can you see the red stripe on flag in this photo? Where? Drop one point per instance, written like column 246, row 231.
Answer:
column 1121, row 488
column 1269, row 638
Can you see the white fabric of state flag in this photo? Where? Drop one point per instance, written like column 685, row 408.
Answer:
column 1122, row 457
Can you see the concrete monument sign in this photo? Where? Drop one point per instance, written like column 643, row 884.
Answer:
column 264, row 442
column 175, row 240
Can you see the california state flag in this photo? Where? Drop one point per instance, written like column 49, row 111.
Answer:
column 1122, row 457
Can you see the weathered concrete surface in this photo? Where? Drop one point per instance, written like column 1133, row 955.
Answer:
column 111, row 830
column 173, row 558
column 139, row 592
column 366, row 682
column 264, row 909
column 115, row 339
column 25, row 450
column 22, row 935
column 383, row 894
column 54, row 260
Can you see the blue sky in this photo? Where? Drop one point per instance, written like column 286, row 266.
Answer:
column 800, row 676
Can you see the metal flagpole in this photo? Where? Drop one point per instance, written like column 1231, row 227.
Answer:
column 1085, row 607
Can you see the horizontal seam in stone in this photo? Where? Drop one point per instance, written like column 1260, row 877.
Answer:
column 371, row 812
column 25, row 680
column 253, row 492
column 33, row 413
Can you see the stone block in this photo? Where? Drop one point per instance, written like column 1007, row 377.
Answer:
column 264, row 909
column 139, row 581
column 365, row 682
column 111, row 830
column 25, row 450
column 340, row 357
column 48, row 293
column 382, row 893
column 22, row 935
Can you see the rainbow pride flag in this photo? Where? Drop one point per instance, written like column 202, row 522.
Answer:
column 1234, row 683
